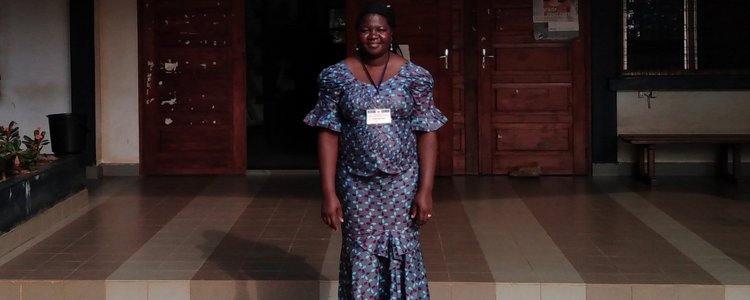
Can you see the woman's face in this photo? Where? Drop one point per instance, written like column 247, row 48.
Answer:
column 374, row 35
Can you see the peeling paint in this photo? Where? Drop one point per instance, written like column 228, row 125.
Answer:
column 172, row 101
column 149, row 75
column 213, row 106
column 169, row 66
column 187, row 42
column 204, row 66
column 150, row 100
column 168, row 121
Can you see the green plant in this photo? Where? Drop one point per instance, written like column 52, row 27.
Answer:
column 11, row 152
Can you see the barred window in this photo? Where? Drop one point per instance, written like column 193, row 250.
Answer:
column 674, row 37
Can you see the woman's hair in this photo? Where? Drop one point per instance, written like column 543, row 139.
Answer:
column 377, row 8
column 385, row 10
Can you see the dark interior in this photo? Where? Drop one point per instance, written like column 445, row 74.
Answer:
column 288, row 43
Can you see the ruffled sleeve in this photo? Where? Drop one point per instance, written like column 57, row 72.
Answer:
column 325, row 114
column 425, row 117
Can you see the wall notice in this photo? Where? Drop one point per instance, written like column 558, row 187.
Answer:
column 555, row 19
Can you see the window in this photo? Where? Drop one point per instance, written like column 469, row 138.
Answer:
column 679, row 37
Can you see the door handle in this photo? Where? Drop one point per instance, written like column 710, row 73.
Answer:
column 485, row 56
column 445, row 58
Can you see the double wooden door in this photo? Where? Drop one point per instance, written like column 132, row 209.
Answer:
column 512, row 101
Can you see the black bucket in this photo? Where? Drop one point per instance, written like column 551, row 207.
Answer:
column 67, row 133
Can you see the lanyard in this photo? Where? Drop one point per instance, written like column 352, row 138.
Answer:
column 382, row 75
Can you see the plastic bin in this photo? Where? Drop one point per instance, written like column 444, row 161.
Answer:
column 67, row 133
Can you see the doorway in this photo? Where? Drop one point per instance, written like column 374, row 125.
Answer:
column 288, row 43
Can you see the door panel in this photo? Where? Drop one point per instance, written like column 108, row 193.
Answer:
column 512, row 19
column 531, row 58
column 536, row 137
column 192, row 87
column 532, row 98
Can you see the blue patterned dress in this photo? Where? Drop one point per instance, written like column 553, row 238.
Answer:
column 376, row 178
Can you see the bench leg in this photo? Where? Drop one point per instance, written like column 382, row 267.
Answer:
column 651, row 175
column 645, row 169
column 723, row 161
column 735, row 173
column 736, row 162
column 639, row 171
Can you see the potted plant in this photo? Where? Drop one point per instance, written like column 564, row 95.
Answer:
column 13, row 158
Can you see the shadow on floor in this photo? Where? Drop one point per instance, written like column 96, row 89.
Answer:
column 259, row 270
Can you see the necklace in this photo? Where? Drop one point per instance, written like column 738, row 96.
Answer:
column 382, row 74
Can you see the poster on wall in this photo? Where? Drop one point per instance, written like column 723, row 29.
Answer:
column 555, row 19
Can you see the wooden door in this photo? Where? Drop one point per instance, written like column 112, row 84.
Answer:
column 532, row 95
column 424, row 26
column 192, row 87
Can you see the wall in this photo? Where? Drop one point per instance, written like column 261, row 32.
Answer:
column 35, row 81
column 34, row 62
column 117, row 81
column 683, row 112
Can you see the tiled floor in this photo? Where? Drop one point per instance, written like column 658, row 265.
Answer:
column 260, row 237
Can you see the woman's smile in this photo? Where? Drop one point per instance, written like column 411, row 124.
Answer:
column 374, row 36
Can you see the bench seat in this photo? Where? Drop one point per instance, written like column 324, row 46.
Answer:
column 731, row 144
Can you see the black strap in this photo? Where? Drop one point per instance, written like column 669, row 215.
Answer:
column 382, row 75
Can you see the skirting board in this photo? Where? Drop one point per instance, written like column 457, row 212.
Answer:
column 118, row 169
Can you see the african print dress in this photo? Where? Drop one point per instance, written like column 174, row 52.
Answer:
column 376, row 178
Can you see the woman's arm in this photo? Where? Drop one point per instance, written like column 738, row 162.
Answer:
column 328, row 149
column 427, row 150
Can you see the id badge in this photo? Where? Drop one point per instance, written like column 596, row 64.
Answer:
column 379, row 116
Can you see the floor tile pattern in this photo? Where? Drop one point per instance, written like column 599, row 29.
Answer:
column 260, row 237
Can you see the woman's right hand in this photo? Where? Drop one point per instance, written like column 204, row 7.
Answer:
column 330, row 211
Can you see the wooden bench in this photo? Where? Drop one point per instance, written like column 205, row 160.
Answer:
column 731, row 144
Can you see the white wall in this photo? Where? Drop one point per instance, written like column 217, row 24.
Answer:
column 683, row 112
column 117, row 81
column 34, row 62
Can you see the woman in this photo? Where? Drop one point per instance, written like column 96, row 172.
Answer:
column 377, row 150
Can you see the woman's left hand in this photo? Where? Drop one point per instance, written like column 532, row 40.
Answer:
column 421, row 208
